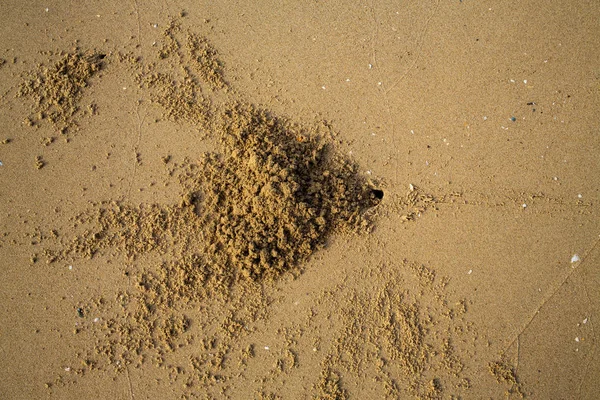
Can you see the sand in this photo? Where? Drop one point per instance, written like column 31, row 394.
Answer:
column 299, row 201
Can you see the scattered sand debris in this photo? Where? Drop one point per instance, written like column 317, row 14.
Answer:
column 180, row 97
column 330, row 387
column 205, row 61
column 196, row 53
column 505, row 373
column 57, row 90
column 171, row 41
column 39, row 162
column 187, row 67
column 403, row 341
column 245, row 217
column 266, row 396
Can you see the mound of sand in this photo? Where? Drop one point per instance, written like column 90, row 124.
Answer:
column 275, row 194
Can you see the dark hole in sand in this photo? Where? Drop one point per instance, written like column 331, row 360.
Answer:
column 378, row 194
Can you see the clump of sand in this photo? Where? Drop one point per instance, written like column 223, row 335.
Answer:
column 57, row 90
column 330, row 387
column 506, row 373
column 275, row 195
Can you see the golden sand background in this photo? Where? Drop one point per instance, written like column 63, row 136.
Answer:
column 478, row 120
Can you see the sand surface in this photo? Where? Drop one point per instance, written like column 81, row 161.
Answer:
column 299, row 200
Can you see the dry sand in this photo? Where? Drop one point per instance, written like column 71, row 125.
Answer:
column 299, row 201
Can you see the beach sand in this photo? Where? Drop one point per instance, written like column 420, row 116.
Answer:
column 299, row 200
